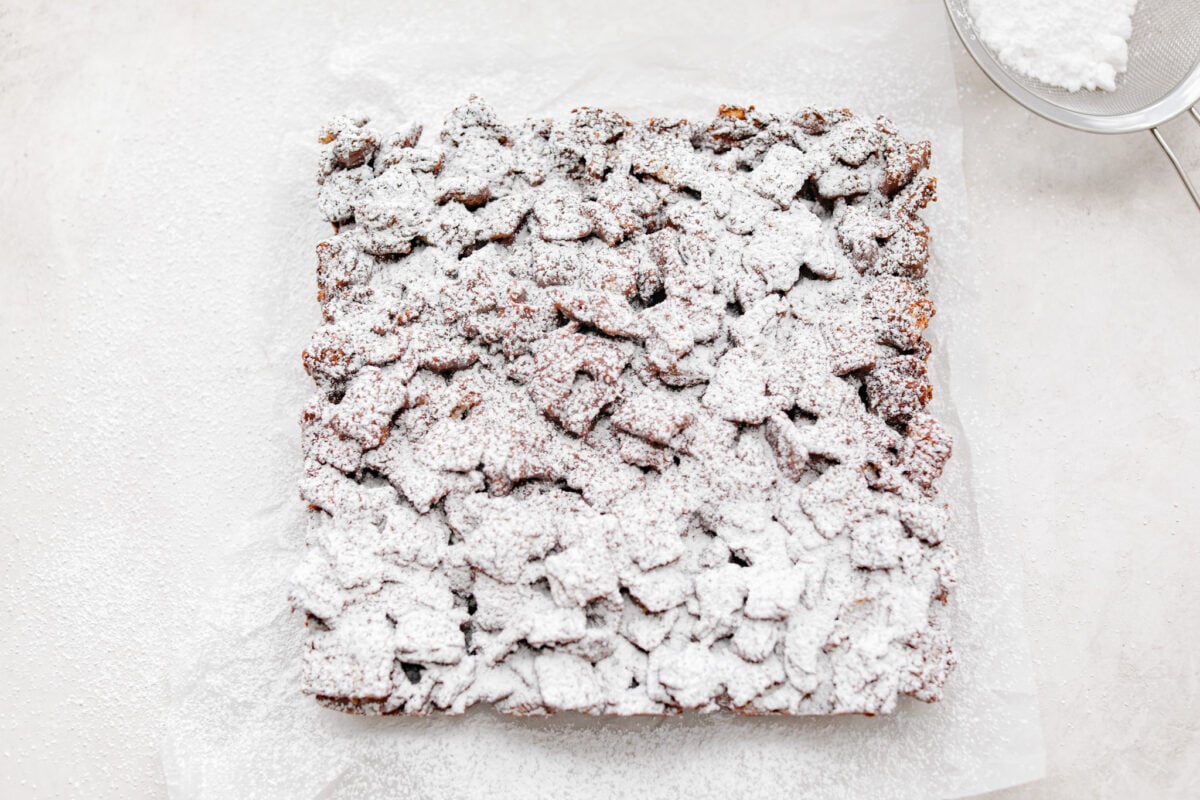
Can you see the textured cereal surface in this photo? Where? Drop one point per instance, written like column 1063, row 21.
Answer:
column 623, row 418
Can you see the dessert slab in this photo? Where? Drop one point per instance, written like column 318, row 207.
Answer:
column 624, row 418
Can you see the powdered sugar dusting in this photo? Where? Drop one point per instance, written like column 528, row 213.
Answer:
column 623, row 418
column 1074, row 44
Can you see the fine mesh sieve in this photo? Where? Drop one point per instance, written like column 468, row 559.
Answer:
column 1161, row 82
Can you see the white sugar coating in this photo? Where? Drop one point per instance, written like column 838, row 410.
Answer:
column 624, row 418
column 1073, row 44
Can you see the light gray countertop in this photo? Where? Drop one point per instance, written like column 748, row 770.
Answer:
column 1079, row 388
column 1081, row 403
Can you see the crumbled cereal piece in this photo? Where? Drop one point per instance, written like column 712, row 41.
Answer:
column 898, row 388
column 925, row 450
column 900, row 312
column 903, row 162
column 350, row 143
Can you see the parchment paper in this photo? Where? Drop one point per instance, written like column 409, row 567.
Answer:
column 238, row 725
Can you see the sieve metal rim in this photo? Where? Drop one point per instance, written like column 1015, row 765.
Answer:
column 1177, row 101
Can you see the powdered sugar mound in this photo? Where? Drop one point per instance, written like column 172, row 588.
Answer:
column 1074, row 44
column 623, row 419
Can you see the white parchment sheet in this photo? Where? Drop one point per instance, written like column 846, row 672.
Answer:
column 238, row 725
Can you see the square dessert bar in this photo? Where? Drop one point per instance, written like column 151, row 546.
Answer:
column 623, row 418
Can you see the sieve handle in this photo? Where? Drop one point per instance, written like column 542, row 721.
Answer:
column 1187, row 181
